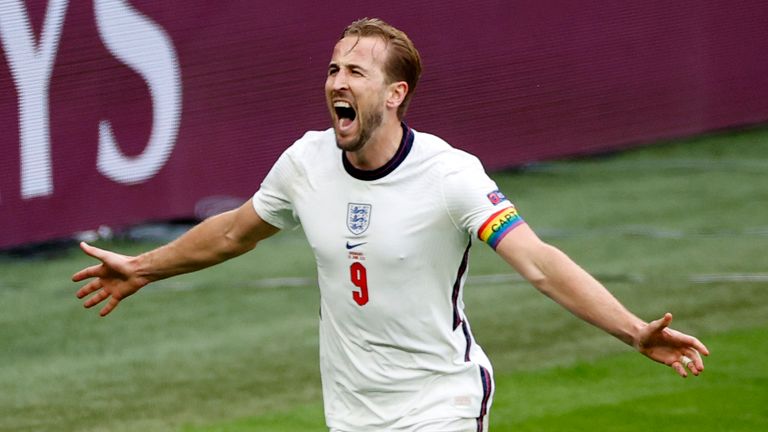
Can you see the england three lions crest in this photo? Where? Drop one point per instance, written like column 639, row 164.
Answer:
column 358, row 217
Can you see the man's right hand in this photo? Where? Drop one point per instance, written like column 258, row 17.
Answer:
column 115, row 278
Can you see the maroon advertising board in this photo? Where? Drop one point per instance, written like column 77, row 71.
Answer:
column 118, row 112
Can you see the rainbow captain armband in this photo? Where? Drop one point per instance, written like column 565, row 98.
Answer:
column 499, row 225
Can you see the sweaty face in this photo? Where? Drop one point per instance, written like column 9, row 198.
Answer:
column 355, row 90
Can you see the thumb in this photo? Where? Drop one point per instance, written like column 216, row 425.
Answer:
column 92, row 251
column 661, row 323
column 652, row 331
column 94, row 270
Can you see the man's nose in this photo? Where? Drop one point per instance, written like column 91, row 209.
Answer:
column 340, row 81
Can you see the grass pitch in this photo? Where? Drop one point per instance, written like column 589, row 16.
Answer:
column 681, row 227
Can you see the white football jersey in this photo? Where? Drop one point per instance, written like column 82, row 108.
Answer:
column 392, row 245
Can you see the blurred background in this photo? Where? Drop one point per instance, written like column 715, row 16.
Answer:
column 632, row 135
column 117, row 113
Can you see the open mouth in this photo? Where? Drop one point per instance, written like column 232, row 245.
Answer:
column 345, row 113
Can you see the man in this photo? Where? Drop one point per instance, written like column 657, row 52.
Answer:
column 390, row 214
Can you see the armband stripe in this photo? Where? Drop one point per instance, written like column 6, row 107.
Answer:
column 499, row 225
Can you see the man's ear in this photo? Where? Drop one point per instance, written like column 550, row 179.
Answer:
column 396, row 94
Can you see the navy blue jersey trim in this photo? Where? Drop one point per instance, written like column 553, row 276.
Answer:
column 468, row 338
column 405, row 147
column 485, row 378
column 457, row 286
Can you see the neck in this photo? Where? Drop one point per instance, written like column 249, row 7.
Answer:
column 380, row 148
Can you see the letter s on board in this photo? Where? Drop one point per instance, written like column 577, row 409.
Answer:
column 143, row 46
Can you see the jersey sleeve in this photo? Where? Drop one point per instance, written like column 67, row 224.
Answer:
column 476, row 204
column 274, row 200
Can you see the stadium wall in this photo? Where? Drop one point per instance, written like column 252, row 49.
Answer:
column 118, row 112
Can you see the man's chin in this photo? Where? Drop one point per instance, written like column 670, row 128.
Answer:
column 347, row 141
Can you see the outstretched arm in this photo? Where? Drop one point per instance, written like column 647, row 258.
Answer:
column 553, row 273
column 214, row 240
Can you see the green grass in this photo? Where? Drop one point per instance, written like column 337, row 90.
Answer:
column 221, row 350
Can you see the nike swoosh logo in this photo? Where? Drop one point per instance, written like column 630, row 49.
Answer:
column 352, row 246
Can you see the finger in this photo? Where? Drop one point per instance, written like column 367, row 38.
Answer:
column 88, row 272
column 96, row 299
column 694, row 370
column 88, row 288
column 689, row 364
column 678, row 367
column 699, row 347
column 661, row 323
column 93, row 251
column 692, row 346
column 109, row 307
column 92, row 271
column 696, row 362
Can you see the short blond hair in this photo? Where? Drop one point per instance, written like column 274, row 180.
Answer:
column 403, row 61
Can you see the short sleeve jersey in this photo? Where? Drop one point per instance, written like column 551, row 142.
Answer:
column 391, row 247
